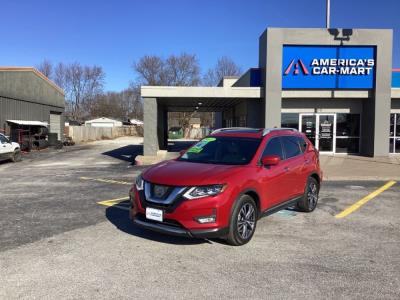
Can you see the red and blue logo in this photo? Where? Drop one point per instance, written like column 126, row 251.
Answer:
column 299, row 65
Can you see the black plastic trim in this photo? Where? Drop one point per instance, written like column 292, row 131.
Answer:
column 281, row 206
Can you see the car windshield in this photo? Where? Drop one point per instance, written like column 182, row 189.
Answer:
column 222, row 150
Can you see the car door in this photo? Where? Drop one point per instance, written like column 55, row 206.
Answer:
column 295, row 165
column 5, row 147
column 274, row 179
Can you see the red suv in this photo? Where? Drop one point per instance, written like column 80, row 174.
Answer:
column 223, row 184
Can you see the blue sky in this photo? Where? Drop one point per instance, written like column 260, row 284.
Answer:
column 115, row 33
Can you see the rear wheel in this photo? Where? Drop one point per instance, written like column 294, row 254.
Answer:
column 310, row 198
column 16, row 156
column 243, row 221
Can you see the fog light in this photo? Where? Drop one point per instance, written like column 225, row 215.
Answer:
column 207, row 219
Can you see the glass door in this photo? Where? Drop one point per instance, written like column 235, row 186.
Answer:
column 320, row 130
column 308, row 126
column 326, row 132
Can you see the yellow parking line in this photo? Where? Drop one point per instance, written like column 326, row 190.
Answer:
column 364, row 200
column 106, row 180
column 115, row 203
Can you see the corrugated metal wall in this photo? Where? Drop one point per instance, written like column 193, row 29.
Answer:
column 12, row 109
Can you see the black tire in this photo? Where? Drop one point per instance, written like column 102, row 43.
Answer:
column 309, row 200
column 16, row 156
column 241, row 233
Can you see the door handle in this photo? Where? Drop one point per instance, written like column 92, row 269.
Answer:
column 307, row 161
column 286, row 169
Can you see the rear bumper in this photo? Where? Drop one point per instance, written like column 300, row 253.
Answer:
column 176, row 231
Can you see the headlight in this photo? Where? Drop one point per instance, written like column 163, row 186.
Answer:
column 139, row 182
column 204, row 191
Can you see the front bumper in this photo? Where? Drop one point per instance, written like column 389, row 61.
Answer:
column 181, row 217
column 177, row 231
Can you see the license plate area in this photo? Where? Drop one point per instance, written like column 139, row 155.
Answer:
column 154, row 214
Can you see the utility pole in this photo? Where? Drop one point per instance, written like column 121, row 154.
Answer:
column 328, row 14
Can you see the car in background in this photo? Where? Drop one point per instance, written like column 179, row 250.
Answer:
column 175, row 133
column 225, row 183
column 9, row 150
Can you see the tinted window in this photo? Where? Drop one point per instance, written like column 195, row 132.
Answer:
column 290, row 120
column 302, row 143
column 291, row 146
column 222, row 150
column 3, row 139
column 274, row 147
column 348, row 125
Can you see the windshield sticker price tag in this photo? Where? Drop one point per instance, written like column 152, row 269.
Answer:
column 200, row 145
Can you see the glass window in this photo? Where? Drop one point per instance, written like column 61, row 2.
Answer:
column 3, row 139
column 290, row 120
column 397, row 145
column 302, row 143
column 347, row 125
column 392, row 117
column 222, row 150
column 394, row 140
column 274, row 147
column 291, row 146
column 347, row 145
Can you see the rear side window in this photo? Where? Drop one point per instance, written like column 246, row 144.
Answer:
column 302, row 143
column 274, row 147
column 291, row 146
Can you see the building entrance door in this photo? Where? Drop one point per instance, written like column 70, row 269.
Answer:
column 320, row 130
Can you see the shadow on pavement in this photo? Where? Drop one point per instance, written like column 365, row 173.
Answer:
column 120, row 218
column 126, row 153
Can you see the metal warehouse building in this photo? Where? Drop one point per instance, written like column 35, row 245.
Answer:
column 335, row 85
column 28, row 98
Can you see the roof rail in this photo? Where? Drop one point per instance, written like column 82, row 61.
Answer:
column 268, row 130
column 233, row 128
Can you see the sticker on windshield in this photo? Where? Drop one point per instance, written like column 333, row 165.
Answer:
column 200, row 145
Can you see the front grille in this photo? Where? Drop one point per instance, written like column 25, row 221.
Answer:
column 168, row 200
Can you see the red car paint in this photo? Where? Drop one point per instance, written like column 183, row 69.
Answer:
column 271, row 186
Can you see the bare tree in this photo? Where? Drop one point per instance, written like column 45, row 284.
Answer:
column 81, row 85
column 225, row 67
column 176, row 70
column 46, row 68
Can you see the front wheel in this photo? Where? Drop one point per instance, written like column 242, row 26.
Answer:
column 243, row 221
column 310, row 198
column 16, row 156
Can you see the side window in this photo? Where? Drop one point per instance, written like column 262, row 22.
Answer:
column 291, row 146
column 273, row 147
column 302, row 143
column 3, row 140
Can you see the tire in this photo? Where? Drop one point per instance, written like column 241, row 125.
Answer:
column 16, row 156
column 309, row 200
column 240, row 234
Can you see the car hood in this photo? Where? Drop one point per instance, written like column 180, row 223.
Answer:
column 180, row 173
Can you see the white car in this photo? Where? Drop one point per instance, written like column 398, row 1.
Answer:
column 9, row 150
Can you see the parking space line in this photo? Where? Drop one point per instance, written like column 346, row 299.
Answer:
column 116, row 203
column 364, row 200
column 106, row 180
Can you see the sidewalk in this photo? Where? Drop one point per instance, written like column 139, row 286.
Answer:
column 351, row 167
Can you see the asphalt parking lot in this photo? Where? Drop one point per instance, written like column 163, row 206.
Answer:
column 57, row 241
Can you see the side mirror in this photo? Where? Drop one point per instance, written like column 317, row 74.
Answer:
column 270, row 160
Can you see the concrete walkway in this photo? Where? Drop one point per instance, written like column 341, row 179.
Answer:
column 350, row 167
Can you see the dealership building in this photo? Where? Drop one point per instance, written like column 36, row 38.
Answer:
column 335, row 85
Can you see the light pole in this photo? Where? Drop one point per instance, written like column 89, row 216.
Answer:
column 328, row 14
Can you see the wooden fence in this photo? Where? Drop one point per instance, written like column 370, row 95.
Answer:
column 87, row 133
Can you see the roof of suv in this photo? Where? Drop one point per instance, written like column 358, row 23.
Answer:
column 249, row 132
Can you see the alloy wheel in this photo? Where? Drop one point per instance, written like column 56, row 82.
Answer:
column 312, row 195
column 246, row 220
